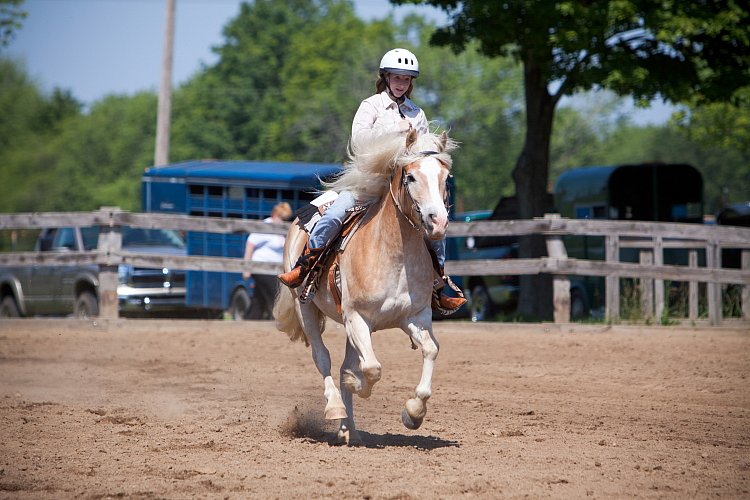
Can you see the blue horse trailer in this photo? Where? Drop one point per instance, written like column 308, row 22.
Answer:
column 229, row 189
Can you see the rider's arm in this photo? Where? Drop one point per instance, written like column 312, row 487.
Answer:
column 364, row 122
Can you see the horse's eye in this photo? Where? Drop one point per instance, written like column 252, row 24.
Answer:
column 410, row 178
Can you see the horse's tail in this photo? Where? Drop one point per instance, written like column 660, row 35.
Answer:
column 284, row 308
column 285, row 315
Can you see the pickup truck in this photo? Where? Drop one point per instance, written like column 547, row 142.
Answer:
column 73, row 289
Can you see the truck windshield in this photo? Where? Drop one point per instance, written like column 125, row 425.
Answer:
column 136, row 237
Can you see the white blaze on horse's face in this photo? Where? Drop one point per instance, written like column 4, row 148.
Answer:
column 426, row 184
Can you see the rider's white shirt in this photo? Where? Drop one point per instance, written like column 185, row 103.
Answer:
column 378, row 114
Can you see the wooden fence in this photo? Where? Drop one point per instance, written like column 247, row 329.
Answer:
column 650, row 238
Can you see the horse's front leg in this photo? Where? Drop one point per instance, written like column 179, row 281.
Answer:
column 359, row 334
column 420, row 331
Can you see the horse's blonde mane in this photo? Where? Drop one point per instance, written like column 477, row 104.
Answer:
column 371, row 161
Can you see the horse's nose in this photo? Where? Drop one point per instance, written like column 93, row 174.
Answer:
column 439, row 222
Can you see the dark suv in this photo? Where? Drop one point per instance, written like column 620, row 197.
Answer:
column 487, row 294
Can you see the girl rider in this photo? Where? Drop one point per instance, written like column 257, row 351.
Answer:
column 388, row 111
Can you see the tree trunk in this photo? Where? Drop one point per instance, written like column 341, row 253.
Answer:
column 531, row 176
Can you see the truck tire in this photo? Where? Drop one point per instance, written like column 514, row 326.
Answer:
column 480, row 304
column 9, row 308
column 239, row 307
column 86, row 306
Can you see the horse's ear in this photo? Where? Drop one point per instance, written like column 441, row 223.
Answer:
column 411, row 138
column 443, row 140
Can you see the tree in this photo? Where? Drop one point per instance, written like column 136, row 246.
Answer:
column 289, row 77
column 723, row 129
column 475, row 98
column 11, row 16
column 643, row 48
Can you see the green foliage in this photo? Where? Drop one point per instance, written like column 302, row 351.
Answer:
column 20, row 103
column 59, row 160
column 11, row 16
column 289, row 78
column 103, row 153
column 680, row 50
column 477, row 100
column 329, row 70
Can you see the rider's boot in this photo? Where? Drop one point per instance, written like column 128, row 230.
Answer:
column 445, row 304
column 296, row 276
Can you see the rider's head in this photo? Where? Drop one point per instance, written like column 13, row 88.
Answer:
column 398, row 68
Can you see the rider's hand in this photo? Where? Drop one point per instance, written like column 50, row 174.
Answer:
column 404, row 125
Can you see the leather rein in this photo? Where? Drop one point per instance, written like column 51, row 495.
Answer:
column 404, row 184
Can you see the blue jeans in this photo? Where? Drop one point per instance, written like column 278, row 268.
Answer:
column 330, row 224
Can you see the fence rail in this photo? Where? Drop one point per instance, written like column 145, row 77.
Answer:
column 650, row 237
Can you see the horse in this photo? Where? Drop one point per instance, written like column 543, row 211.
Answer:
column 386, row 272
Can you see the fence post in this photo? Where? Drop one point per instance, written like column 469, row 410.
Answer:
column 693, row 288
column 110, row 241
column 713, row 257
column 658, row 284
column 612, row 282
column 560, row 282
column 647, row 286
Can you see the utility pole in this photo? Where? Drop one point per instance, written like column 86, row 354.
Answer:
column 161, row 154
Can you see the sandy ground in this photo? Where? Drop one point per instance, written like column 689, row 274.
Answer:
column 200, row 409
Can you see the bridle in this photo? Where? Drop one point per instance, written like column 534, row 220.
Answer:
column 404, row 184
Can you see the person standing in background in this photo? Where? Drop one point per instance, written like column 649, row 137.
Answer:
column 262, row 247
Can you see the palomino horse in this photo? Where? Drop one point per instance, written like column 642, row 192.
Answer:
column 386, row 271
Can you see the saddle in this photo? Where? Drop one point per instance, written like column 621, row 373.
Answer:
column 307, row 217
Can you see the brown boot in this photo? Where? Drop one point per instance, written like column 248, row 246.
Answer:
column 301, row 269
column 445, row 304
column 451, row 303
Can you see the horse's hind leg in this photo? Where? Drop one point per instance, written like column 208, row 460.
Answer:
column 421, row 334
column 351, row 382
column 335, row 408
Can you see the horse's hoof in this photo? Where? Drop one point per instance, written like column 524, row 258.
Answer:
column 416, row 408
column 335, row 413
column 410, row 423
column 365, row 392
column 372, row 374
column 348, row 437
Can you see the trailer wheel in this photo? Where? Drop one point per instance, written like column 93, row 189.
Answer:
column 86, row 305
column 9, row 308
column 240, row 305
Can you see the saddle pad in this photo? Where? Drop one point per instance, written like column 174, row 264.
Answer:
column 308, row 215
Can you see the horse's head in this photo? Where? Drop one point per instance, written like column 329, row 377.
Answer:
column 421, row 184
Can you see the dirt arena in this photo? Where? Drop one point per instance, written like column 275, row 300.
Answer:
column 200, row 409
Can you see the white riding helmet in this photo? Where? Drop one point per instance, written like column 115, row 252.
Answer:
column 400, row 62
